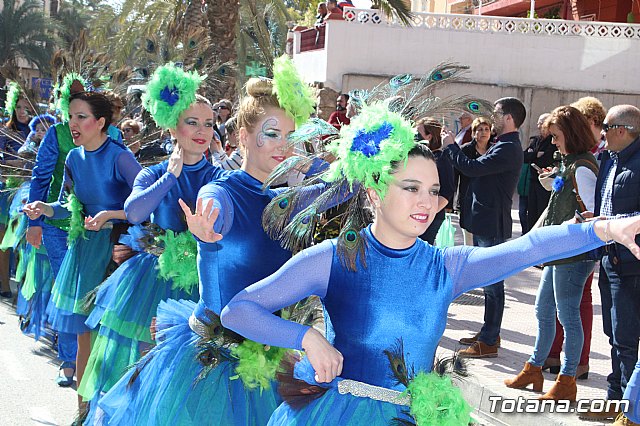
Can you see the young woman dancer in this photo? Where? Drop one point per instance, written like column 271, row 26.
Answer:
column 133, row 292
column 99, row 175
column 220, row 384
column 386, row 292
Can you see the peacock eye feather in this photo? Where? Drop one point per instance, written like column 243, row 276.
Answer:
column 284, row 203
column 474, row 107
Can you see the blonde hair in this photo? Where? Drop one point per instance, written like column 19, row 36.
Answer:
column 259, row 97
column 592, row 109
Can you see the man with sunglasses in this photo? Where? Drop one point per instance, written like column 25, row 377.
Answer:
column 618, row 192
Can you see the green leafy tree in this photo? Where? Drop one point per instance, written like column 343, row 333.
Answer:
column 25, row 33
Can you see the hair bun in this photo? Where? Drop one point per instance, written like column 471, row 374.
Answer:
column 258, row 87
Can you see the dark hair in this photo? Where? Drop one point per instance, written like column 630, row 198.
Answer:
column 432, row 127
column 514, row 108
column 345, row 96
column 99, row 105
column 419, row 150
column 573, row 124
column 231, row 125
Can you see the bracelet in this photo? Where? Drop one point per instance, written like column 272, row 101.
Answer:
column 607, row 237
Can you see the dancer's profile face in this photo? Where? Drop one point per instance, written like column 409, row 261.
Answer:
column 266, row 143
column 194, row 131
column 411, row 201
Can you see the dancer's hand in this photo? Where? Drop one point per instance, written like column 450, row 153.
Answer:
column 34, row 236
column 176, row 161
column 36, row 209
column 201, row 222
column 623, row 231
column 324, row 358
column 95, row 223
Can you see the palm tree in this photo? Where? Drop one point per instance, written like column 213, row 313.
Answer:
column 25, row 33
column 224, row 20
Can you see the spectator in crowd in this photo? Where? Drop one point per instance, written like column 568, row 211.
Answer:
column 223, row 111
column 562, row 281
column 595, row 112
column 335, row 12
column 479, row 145
column 429, row 131
column 321, row 13
column 338, row 118
column 130, row 129
column 463, row 136
column 618, row 192
column 229, row 158
column 494, row 176
column 539, row 156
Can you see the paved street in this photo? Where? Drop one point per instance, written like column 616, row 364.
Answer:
column 28, row 392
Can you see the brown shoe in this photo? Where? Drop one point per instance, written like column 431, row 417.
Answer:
column 623, row 420
column 468, row 341
column 530, row 374
column 610, row 413
column 479, row 350
column 582, row 373
column 552, row 364
column 563, row 389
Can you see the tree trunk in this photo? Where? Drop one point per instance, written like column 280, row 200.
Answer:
column 224, row 17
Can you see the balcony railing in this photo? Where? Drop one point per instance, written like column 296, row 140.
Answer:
column 493, row 24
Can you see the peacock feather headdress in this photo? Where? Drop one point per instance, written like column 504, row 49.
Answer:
column 294, row 96
column 365, row 151
column 13, row 95
column 170, row 91
column 71, row 83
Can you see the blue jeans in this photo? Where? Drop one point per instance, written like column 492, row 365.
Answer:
column 560, row 290
column 621, row 322
column 493, row 299
column 632, row 393
column 55, row 241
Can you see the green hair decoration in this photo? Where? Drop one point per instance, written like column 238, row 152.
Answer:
column 13, row 95
column 257, row 364
column 436, row 401
column 170, row 91
column 294, row 96
column 179, row 249
column 367, row 147
column 76, row 223
column 65, row 93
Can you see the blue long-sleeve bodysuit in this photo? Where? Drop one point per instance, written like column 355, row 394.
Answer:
column 156, row 192
column 401, row 294
column 101, row 179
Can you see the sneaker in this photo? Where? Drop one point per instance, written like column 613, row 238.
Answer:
column 611, row 413
column 623, row 420
column 468, row 341
column 479, row 350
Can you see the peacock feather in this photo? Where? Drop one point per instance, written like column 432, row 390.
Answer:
column 401, row 373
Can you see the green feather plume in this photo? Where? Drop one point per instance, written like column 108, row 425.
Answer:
column 436, row 401
column 294, row 96
column 65, row 93
column 76, row 223
column 257, row 364
column 178, row 260
column 13, row 95
column 170, row 91
column 373, row 171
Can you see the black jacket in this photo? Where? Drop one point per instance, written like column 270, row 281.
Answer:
column 494, row 178
column 625, row 199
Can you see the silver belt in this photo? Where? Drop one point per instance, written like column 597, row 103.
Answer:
column 198, row 326
column 364, row 390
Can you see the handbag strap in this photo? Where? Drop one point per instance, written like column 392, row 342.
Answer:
column 590, row 166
